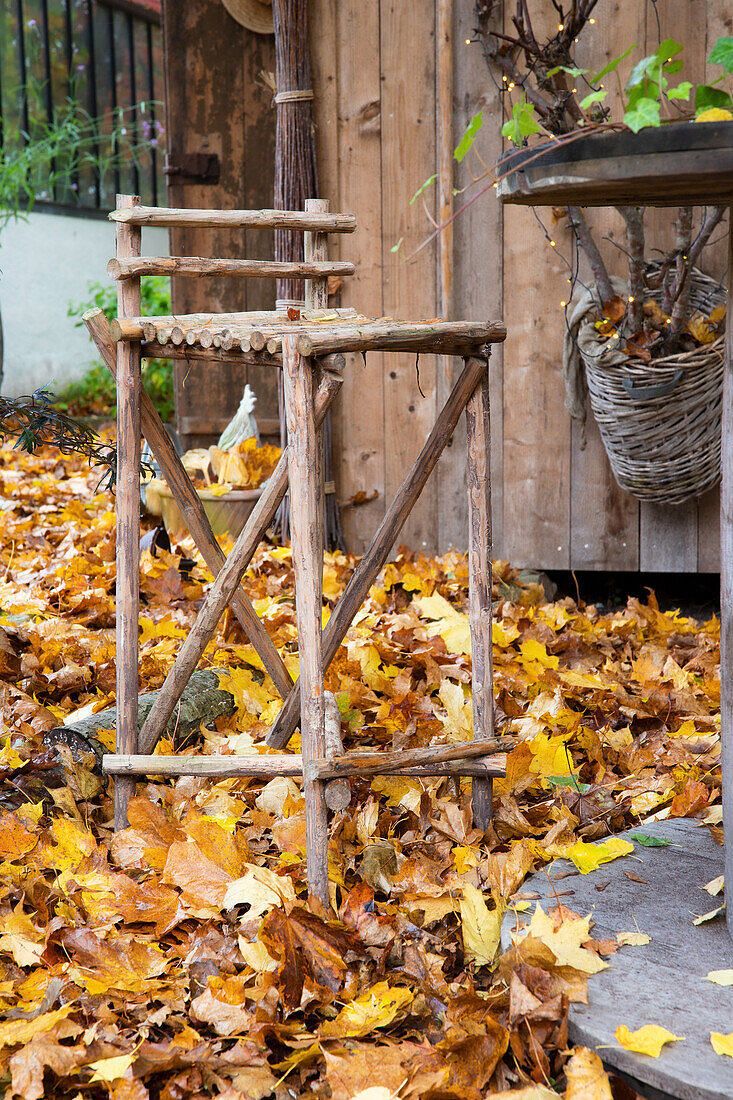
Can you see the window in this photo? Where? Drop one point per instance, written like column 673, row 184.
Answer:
column 100, row 62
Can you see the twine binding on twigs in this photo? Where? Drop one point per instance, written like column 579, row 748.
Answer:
column 659, row 421
column 295, row 96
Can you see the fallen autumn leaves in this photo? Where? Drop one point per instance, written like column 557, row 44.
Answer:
column 181, row 958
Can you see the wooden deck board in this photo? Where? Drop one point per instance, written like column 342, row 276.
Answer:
column 663, row 982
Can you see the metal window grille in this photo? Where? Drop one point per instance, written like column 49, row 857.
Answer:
column 103, row 60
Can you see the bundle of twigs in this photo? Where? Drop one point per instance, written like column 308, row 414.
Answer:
column 295, row 181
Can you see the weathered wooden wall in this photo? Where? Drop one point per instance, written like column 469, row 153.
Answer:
column 556, row 504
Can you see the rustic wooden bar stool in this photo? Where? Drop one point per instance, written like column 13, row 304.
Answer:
column 310, row 351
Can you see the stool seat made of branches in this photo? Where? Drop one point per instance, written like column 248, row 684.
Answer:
column 310, row 351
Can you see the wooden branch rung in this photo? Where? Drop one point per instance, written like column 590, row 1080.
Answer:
column 190, row 266
column 268, row 767
column 402, row 336
column 237, row 219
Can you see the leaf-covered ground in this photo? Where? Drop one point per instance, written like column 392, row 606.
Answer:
column 182, row 958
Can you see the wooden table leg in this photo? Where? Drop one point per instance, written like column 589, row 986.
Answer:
column 129, row 387
column 306, row 497
column 726, row 591
column 479, row 582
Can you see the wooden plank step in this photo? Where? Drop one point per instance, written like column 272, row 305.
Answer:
column 662, row 982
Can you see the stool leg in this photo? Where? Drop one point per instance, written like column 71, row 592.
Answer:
column 306, row 497
column 129, row 390
column 479, row 573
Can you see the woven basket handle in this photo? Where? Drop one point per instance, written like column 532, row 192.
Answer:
column 648, row 393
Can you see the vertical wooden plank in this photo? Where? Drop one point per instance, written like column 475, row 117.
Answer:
column 668, row 534
column 477, row 278
column 604, row 526
column 719, row 23
column 307, row 561
column 354, row 159
column 408, row 159
column 478, row 432
column 726, row 593
column 127, row 596
column 536, row 423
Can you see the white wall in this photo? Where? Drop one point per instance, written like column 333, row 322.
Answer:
column 45, row 263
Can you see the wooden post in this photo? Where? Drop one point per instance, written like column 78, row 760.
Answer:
column 315, row 248
column 307, row 551
column 479, row 581
column 129, row 387
column 726, row 590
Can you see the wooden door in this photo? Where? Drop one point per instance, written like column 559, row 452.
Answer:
column 218, row 105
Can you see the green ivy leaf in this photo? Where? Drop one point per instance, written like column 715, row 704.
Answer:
column 568, row 781
column 649, row 841
column 645, row 113
column 706, row 97
column 594, row 97
column 469, row 136
column 667, row 49
column 722, row 54
column 612, row 65
column 398, row 246
column 522, row 123
column 682, row 91
column 565, row 69
column 423, row 187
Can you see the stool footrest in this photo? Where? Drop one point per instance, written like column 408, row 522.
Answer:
column 291, row 764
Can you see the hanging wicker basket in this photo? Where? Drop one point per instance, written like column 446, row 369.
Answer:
column 660, row 421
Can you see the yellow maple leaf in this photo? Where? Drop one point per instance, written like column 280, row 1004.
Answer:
column 534, row 651
column 378, row 1007
column 464, row 857
column 720, row 977
column 503, row 635
column 20, row 1032
column 589, row 857
column 714, row 114
column 566, row 941
column 451, row 625
column 110, row 1069
column 715, row 886
column 648, row 1039
column 632, row 939
column 550, row 755
column 586, row 1077
column 722, row 1044
column 481, row 927
column 459, row 726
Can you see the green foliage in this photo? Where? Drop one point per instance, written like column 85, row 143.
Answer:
column 469, row 136
column 647, row 86
column 522, row 123
column 707, row 97
column 648, row 841
column 58, row 152
column 722, row 54
column 94, row 393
